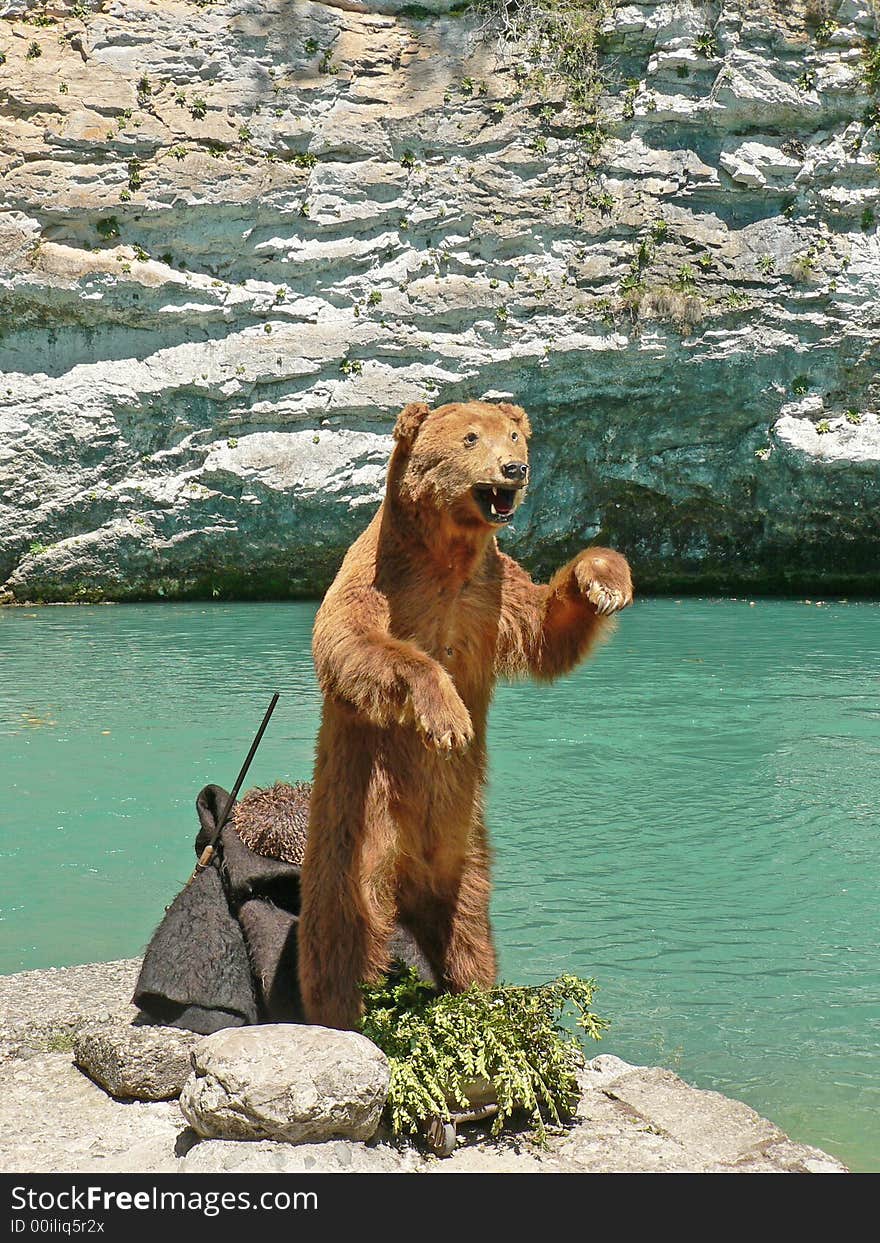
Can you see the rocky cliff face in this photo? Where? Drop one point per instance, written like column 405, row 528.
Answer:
column 236, row 237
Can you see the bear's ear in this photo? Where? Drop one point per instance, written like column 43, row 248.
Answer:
column 518, row 415
column 409, row 421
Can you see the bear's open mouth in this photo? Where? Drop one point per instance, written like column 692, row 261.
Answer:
column 497, row 505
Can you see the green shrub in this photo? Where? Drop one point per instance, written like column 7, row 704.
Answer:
column 510, row 1036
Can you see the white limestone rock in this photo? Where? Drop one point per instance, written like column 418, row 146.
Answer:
column 286, row 1082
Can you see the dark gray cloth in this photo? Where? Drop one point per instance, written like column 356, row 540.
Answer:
column 225, row 955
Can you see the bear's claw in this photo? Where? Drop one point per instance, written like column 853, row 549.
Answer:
column 445, row 740
column 606, row 599
column 602, row 577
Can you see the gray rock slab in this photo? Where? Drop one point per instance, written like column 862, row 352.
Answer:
column 135, row 1062
column 629, row 1119
column 54, row 1118
column 705, row 1123
column 222, row 1156
column 41, row 1011
column 286, row 1081
column 650, row 1119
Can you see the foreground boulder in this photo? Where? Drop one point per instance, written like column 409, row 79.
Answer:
column 135, row 1062
column 286, row 1082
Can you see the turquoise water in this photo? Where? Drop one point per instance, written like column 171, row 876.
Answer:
column 692, row 818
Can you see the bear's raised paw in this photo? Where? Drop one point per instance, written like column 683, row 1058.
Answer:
column 603, row 578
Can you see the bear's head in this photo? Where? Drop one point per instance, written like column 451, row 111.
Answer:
column 469, row 459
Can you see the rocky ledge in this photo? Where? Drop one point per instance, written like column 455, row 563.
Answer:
column 56, row 1117
column 236, row 236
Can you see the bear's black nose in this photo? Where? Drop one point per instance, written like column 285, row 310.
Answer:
column 515, row 470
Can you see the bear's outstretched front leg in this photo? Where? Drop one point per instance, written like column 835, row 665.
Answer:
column 389, row 681
column 546, row 631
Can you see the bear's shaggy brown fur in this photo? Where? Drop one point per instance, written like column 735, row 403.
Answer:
column 423, row 616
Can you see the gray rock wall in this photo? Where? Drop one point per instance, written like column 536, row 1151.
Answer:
column 236, row 237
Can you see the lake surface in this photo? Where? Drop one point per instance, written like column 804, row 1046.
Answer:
column 693, row 818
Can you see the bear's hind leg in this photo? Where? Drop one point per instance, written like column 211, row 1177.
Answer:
column 347, row 909
column 452, row 928
column 343, row 939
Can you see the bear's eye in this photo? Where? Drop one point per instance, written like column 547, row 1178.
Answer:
column 471, row 439
column 514, row 436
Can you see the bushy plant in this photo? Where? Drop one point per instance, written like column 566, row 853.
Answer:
column 511, row 1037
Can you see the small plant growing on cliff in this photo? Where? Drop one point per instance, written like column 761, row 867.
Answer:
column 107, row 228
column 802, row 268
column 707, row 45
column 871, row 67
column 351, row 366
column 736, row 301
column 686, row 278
column 766, row 264
column 659, row 230
column 408, row 160
column 807, row 80
column 198, row 109
column 823, row 427
column 604, row 202
column 868, row 219
column 34, row 50
column 853, row 416
column 144, row 89
column 512, row 1038
column 800, row 385
column 629, row 98
column 36, row 550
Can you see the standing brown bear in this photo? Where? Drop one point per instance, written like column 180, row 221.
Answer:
column 423, row 616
